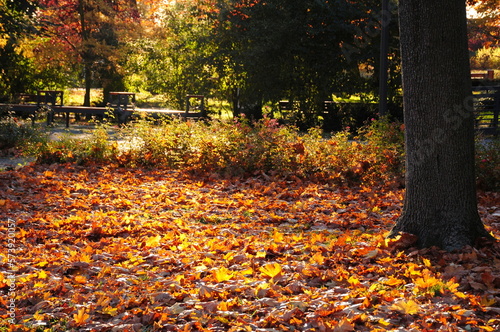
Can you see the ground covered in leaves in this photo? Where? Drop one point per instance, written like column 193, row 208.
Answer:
column 100, row 248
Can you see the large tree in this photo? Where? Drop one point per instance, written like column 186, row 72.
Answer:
column 287, row 49
column 440, row 206
column 170, row 56
column 484, row 28
column 92, row 32
column 17, row 21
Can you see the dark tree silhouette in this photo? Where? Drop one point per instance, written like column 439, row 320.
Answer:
column 440, row 205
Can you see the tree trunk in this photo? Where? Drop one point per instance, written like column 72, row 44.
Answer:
column 440, row 204
column 88, row 83
column 87, row 72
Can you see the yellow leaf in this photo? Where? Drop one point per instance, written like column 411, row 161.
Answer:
column 353, row 281
column 223, row 274
column 103, row 301
column 393, row 282
column 223, row 306
column 38, row 316
column 153, row 241
column 460, row 295
column 409, row 307
column 260, row 254
column 426, row 262
column 278, row 237
column 81, row 317
column 110, row 311
column 271, row 270
column 229, row 256
column 86, row 258
column 248, row 270
column 42, row 275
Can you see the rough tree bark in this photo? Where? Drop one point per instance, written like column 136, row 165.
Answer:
column 440, row 206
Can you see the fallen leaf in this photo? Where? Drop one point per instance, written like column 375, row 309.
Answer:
column 408, row 307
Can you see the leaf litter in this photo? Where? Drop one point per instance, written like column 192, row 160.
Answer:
column 100, row 248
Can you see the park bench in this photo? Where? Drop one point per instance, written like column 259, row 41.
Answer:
column 194, row 109
column 121, row 105
column 486, row 75
column 29, row 105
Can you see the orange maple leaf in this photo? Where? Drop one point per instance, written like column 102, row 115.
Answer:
column 81, row 317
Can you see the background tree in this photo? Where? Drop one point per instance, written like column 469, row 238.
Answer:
column 302, row 51
column 440, row 206
column 484, row 25
column 284, row 49
column 484, row 34
column 170, row 56
column 90, row 32
column 16, row 23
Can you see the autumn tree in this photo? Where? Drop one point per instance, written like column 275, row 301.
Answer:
column 484, row 26
column 91, row 32
column 16, row 23
column 440, row 206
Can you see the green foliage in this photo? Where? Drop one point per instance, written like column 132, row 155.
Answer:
column 17, row 18
column 16, row 133
column 237, row 148
column 172, row 62
column 97, row 146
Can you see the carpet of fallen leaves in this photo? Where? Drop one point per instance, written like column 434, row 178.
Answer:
column 99, row 248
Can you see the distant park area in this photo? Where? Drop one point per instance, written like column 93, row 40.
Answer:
column 249, row 165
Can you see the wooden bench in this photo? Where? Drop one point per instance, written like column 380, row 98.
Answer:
column 121, row 106
column 487, row 75
column 31, row 104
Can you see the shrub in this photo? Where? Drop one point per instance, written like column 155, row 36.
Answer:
column 95, row 147
column 244, row 148
column 486, row 58
column 14, row 133
column 488, row 164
